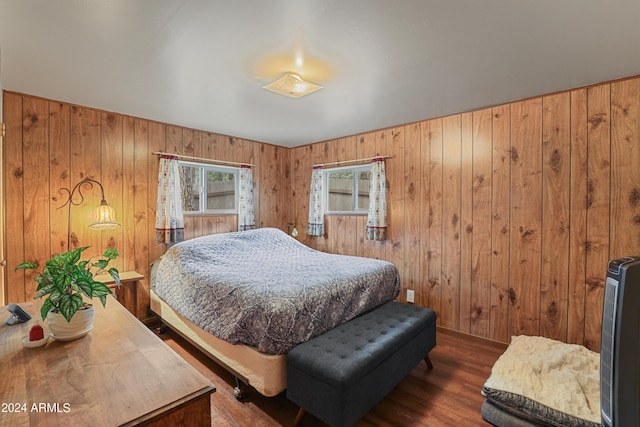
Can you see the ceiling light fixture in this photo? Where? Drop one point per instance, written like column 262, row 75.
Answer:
column 292, row 85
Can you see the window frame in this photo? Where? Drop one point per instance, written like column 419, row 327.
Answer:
column 356, row 169
column 207, row 167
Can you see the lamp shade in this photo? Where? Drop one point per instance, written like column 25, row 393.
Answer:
column 104, row 217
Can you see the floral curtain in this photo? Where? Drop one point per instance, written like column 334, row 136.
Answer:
column 377, row 217
column 169, row 215
column 246, row 220
column 316, row 206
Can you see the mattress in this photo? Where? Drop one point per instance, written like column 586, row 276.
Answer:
column 264, row 289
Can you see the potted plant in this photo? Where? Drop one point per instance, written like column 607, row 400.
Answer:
column 65, row 280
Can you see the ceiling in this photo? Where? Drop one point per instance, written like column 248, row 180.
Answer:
column 202, row 63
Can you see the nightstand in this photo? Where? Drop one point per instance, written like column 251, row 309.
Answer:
column 127, row 294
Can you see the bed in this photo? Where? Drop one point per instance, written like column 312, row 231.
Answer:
column 246, row 298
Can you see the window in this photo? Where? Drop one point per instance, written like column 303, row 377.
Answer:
column 347, row 189
column 208, row 188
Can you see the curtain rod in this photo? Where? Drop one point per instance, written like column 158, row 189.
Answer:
column 201, row 159
column 368, row 159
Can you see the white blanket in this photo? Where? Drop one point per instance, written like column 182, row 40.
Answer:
column 563, row 377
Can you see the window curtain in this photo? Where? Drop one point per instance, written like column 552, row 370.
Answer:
column 246, row 219
column 169, row 215
column 316, row 206
column 377, row 217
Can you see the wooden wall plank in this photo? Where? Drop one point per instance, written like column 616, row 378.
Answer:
column 625, row 177
column 556, row 146
column 284, row 200
column 193, row 223
column 323, row 152
column 422, row 291
column 188, row 148
column 298, row 206
column 435, row 221
column 394, row 140
column 210, row 146
column 59, row 175
column 252, row 156
column 269, row 187
column 86, row 162
column 128, row 221
column 598, row 212
column 333, row 223
column 360, row 225
column 301, row 160
column 412, row 181
column 330, row 243
column 36, row 185
column 366, row 148
column 578, row 218
column 141, row 201
column 112, row 179
column 466, row 221
column 481, row 231
column 501, row 293
column 349, row 245
column 14, row 290
column 156, row 144
column 173, row 135
column 284, row 215
column 526, row 211
column 209, row 225
column 451, row 205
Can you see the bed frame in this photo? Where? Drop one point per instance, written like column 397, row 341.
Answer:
column 264, row 372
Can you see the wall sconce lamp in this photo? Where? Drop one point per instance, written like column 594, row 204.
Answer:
column 293, row 231
column 104, row 215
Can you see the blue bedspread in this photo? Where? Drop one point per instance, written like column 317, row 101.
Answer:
column 265, row 289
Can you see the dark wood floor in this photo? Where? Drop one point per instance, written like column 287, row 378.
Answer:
column 448, row 395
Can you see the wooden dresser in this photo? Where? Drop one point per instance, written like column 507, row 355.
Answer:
column 120, row 374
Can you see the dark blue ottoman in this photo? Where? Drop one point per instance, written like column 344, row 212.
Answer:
column 340, row 375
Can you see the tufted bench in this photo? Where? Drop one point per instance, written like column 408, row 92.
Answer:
column 340, row 375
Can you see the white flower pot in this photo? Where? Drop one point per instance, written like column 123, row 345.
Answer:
column 80, row 325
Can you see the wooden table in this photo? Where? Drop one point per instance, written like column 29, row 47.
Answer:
column 118, row 374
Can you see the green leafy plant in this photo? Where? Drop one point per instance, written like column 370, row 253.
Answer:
column 65, row 279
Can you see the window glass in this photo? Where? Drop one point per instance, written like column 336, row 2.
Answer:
column 364, row 178
column 347, row 189
column 221, row 192
column 208, row 189
column 340, row 197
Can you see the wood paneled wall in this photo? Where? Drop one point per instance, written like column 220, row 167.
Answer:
column 503, row 219
column 50, row 145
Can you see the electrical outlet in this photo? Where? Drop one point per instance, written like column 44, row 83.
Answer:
column 410, row 296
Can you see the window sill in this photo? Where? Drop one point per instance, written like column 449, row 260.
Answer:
column 346, row 213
